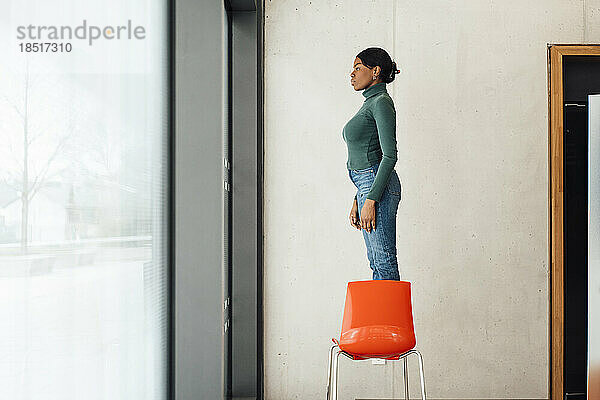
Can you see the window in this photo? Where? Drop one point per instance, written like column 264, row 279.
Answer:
column 83, row 200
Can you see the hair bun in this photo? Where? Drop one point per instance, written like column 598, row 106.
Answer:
column 395, row 69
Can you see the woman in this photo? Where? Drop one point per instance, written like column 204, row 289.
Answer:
column 371, row 140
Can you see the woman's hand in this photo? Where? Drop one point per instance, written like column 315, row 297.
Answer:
column 354, row 218
column 367, row 215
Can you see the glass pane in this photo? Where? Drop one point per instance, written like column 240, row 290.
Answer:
column 83, row 200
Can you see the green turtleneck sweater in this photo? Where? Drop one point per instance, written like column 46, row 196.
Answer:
column 371, row 137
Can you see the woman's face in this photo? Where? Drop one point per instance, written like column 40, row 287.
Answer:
column 361, row 77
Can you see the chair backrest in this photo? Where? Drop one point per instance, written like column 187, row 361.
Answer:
column 378, row 302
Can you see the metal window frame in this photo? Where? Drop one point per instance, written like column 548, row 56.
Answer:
column 197, row 353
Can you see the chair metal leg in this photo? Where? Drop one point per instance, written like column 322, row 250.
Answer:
column 422, row 375
column 406, row 395
column 329, row 371
column 333, row 373
column 336, row 363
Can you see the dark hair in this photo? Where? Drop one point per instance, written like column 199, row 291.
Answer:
column 374, row 56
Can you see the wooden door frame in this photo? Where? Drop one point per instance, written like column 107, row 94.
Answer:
column 555, row 206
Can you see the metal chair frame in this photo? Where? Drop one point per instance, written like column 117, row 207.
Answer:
column 333, row 371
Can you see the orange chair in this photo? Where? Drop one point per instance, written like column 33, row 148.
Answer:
column 377, row 323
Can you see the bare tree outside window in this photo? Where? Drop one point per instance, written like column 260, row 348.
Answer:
column 20, row 176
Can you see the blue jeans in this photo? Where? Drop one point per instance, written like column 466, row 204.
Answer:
column 380, row 242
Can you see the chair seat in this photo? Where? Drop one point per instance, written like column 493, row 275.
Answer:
column 377, row 323
column 380, row 341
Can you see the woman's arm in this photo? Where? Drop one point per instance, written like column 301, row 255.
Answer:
column 385, row 119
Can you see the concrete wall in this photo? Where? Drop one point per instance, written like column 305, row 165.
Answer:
column 472, row 123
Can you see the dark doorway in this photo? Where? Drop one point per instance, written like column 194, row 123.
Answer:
column 581, row 78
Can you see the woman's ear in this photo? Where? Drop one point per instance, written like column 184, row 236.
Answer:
column 377, row 71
